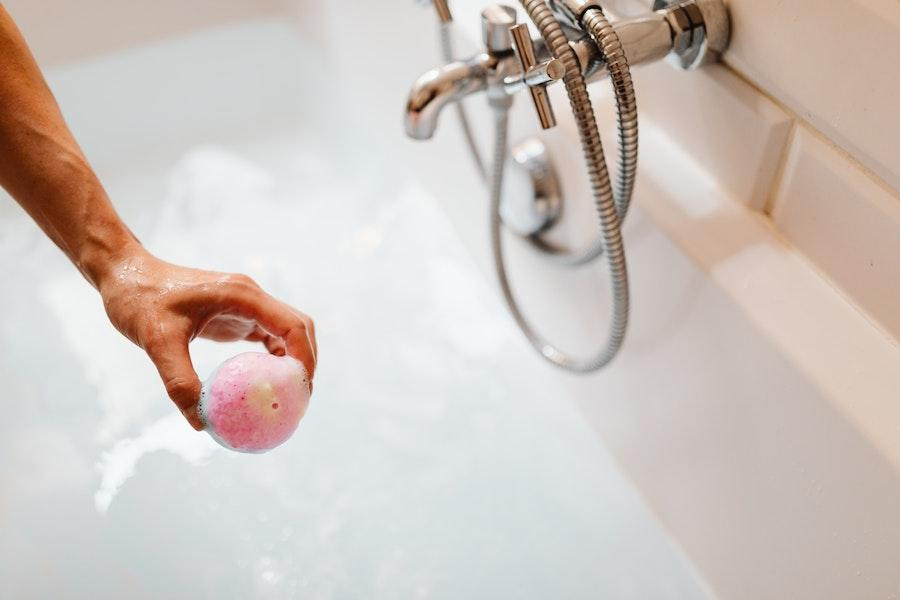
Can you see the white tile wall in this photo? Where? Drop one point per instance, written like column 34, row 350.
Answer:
column 828, row 72
column 739, row 134
column 845, row 221
column 834, row 63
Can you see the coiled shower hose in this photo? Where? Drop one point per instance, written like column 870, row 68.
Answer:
column 612, row 204
column 603, row 34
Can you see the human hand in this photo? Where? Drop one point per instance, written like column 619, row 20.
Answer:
column 161, row 307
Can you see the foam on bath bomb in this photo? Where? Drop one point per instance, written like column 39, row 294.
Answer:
column 253, row 402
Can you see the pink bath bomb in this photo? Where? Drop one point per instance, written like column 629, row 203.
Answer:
column 254, row 401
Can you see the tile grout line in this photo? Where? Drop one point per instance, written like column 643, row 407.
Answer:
column 799, row 121
column 781, row 171
column 855, row 163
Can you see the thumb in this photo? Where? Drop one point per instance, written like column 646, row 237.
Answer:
column 173, row 361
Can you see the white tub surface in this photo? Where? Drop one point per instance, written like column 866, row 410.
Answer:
column 745, row 444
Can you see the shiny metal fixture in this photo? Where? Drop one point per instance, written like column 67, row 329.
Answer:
column 693, row 32
column 535, row 75
column 700, row 28
column 581, row 41
column 531, row 201
column 497, row 21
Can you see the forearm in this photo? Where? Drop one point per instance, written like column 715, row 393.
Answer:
column 43, row 168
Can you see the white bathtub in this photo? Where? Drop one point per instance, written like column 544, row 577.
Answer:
column 440, row 458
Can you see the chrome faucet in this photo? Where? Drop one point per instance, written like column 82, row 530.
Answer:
column 580, row 41
column 690, row 33
column 439, row 87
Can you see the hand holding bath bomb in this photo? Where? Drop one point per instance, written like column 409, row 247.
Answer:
column 253, row 402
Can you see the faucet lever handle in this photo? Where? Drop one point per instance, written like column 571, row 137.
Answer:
column 528, row 59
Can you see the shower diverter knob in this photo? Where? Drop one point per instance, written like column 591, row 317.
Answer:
column 532, row 200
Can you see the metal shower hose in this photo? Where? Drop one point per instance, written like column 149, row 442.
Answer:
column 612, row 204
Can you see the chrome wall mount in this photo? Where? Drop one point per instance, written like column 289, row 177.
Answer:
column 580, row 41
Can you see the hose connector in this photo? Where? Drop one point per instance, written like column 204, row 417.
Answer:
column 570, row 12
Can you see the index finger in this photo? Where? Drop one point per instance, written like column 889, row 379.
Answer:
column 279, row 320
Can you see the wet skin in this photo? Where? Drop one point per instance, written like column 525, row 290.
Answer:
column 159, row 306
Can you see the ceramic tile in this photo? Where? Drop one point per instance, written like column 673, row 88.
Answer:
column 846, row 222
column 834, row 64
column 731, row 129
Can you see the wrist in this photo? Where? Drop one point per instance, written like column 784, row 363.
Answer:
column 106, row 254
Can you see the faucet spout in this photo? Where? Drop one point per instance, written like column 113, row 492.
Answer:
column 439, row 87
